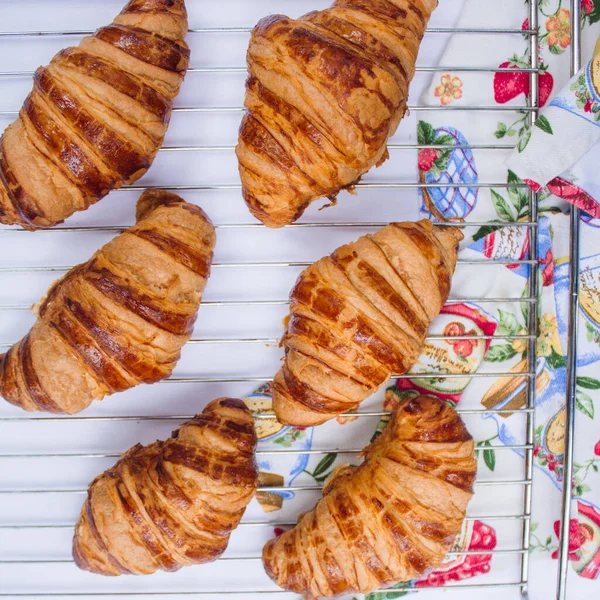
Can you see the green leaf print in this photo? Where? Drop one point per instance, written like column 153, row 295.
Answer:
column 555, row 360
column 489, row 458
column 589, row 383
column 543, row 123
column 324, row 464
column 443, row 140
column 489, row 454
column 500, row 353
column 518, row 196
column 283, row 441
column 501, row 130
column 425, row 133
column 525, row 139
column 594, row 16
column 584, row 404
column 502, row 207
column 508, row 324
column 591, row 334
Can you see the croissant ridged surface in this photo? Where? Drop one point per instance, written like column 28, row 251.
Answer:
column 324, row 94
column 361, row 315
column 119, row 319
column 96, row 117
column 391, row 519
column 173, row 503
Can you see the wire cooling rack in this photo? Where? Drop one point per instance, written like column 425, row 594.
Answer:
column 47, row 461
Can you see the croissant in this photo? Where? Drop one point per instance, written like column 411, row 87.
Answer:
column 96, row 117
column 359, row 316
column 119, row 319
column 391, row 519
column 324, row 94
column 174, row 503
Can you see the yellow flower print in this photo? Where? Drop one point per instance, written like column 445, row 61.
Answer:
column 559, row 28
column 450, row 89
column 519, row 345
column 548, row 339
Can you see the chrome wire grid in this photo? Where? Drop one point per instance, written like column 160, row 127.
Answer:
column 522, row 479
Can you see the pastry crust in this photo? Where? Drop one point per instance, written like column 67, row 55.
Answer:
column 96, row 117
column 324, row 94
column 172, row 503
column 119, row 319
column 391, row 519
column 359, row 316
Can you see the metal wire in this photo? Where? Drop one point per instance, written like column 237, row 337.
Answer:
column 271, row 488
column 81, row 32
column 368, row 225
column 255, row 592
column 531, row 309
column 527, row 377
column 413, row 108
column 257, row 416
column 571, row 355
column 418, row 69
column 257, row 523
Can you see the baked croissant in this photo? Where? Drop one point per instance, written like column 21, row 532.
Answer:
column 324, row 94
column 391, row 519
column 119, row 319
column 174, row 503
column 96, row 117
column 361, row 315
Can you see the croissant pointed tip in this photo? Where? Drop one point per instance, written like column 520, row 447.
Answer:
column 152, row 199
column 235, row 403
column 174, row 6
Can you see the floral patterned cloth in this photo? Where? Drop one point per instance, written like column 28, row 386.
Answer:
column 490, row 404
column 557, row 157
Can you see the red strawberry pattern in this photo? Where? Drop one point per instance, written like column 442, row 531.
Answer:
column 545, row 87
column 508, row 85
column 426, row 159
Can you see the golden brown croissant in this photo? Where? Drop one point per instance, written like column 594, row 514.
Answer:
column 96, row 117
column 361, row 315
column 119, row 319
column 391, row 519
column 324, row 94
column 174, row 503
